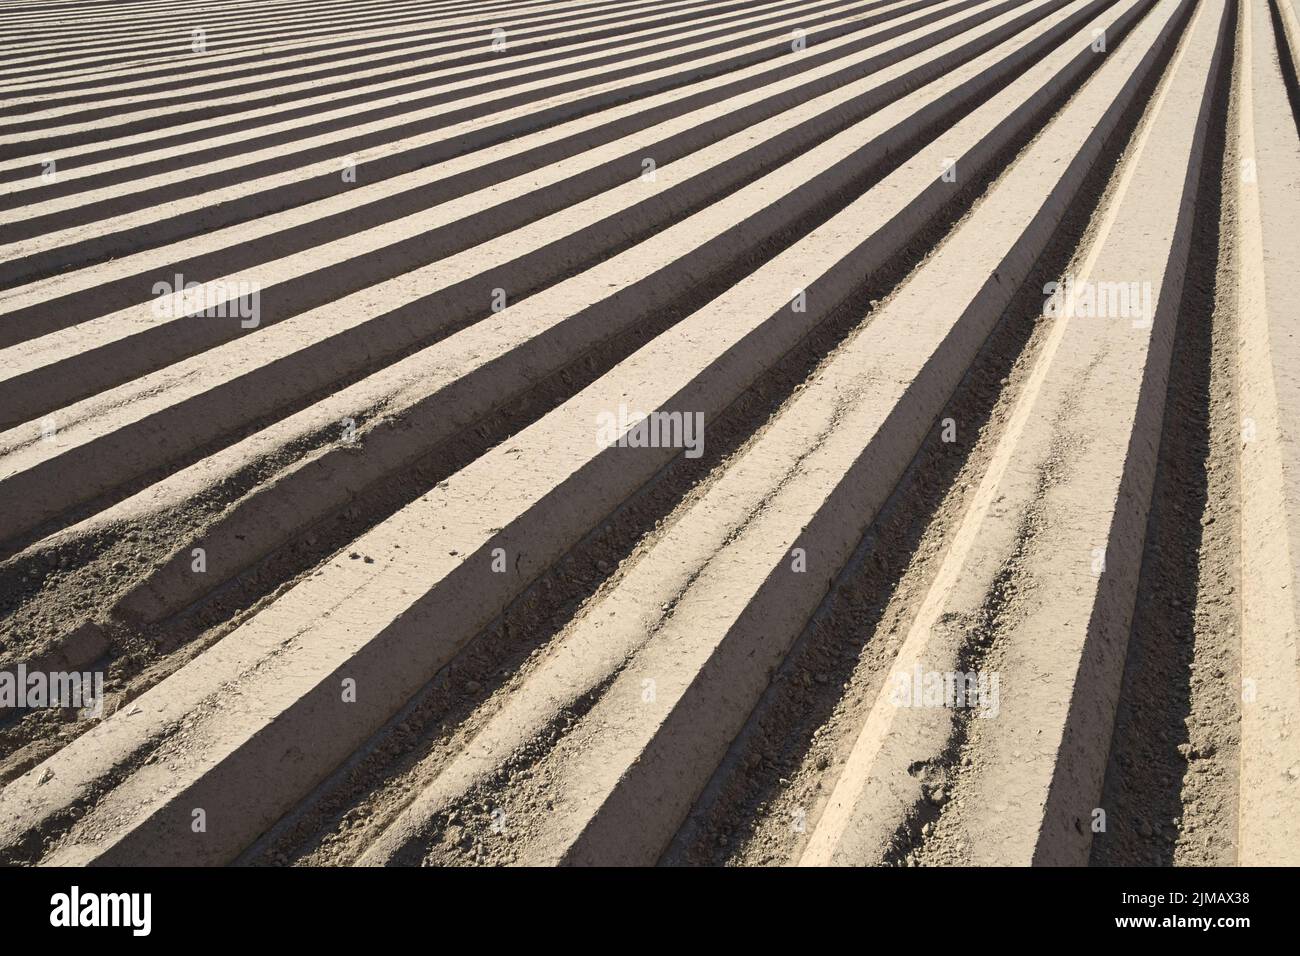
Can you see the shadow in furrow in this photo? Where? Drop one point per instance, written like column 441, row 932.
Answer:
column 1152, row 754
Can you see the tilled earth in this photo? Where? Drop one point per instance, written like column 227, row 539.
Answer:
column 805, row 432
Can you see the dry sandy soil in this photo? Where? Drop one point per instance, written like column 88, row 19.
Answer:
column 699, row 432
